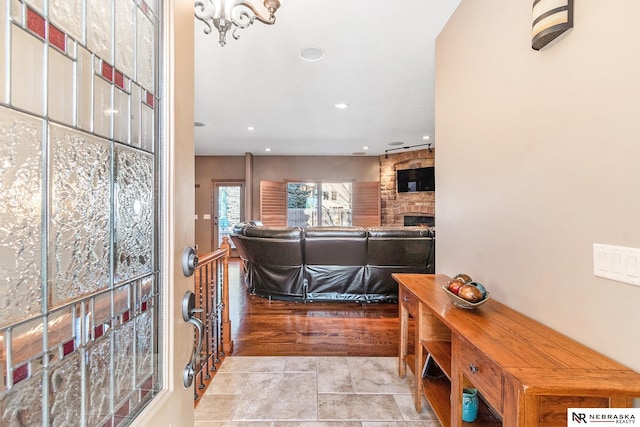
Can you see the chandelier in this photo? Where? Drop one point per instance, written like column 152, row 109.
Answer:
column 223, row 14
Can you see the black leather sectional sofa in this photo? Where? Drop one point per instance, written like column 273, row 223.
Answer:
column 332, row 263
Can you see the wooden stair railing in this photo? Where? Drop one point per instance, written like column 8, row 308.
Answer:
column 211, row 287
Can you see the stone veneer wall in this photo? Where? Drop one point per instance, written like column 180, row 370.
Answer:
column 393, row 205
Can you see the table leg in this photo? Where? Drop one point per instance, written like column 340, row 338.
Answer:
column 404, row 333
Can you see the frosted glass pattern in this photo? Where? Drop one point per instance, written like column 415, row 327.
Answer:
column 80, row 208
column 61, row 96
column 144, row 350
column 125, row 33
column 146, row 57
column 26, row 341
column 136, row 105
column 102, row 109
column 147, row 126
column 134, row 213
column 64, row 391
column 61, row 327
column 121, row 116
column 123, row 351
column 27, row 71
column 121, row 302
column 20, row 216
column 102, row 309
column 67, row 14
column 99, row 390
column 78, row 211
column 84, row 77
column 23, row 406
column 99, row 28
column 36, row 4
column 3, row 57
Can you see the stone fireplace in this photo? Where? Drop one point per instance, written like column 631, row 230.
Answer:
column 427, row 220
column 394, row 206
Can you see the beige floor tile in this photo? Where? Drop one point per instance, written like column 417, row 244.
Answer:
column 290, row 396
column 301, row 364
column 402, row 424
column 317, row 424
column 407, row 407
column 252, row 364
column 378, row 375
column 358, row 407
column 227, row 383
column 334, row 375
column 218, row 407
column 311, row 392
column 233, row 424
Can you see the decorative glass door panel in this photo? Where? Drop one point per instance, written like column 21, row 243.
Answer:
column 79, row 281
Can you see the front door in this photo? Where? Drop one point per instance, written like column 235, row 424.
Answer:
column 96, row 206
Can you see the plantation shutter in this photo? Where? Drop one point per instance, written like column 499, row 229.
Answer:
column 273, row 203
column 366, row 204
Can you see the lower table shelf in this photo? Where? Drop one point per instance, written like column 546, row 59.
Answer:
column 437, row 392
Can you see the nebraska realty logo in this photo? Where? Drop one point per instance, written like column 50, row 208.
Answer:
column 584, row 416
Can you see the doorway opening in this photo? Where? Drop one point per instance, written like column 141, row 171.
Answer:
column 228, row 210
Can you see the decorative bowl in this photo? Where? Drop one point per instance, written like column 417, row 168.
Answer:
column 463, row 303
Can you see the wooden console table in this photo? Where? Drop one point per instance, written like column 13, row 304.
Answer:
column 526, row 373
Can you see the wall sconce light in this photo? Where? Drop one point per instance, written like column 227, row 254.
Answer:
column 550, row 19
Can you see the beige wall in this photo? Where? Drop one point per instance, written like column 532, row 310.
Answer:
column 539, row 158
column 272, row 168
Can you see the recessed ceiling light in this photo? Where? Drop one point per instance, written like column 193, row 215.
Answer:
column 365, row 148
column 341, row 105
column 396, row 143
column 198, row 124
column 251, row 128
column 426, row 137
column 267, row 149
column 311, row 54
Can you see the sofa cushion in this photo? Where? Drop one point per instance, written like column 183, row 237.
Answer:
column 273, row 232
column 335, row 231
column 402, row 246
column 342, row 246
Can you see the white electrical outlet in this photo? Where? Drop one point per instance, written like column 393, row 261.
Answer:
column 617, row 263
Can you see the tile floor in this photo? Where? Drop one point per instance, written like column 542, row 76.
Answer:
column 310, row 392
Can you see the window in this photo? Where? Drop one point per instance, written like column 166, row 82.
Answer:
column 319, row 203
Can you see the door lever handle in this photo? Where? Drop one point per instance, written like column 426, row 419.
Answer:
column 190, row 368
column 188, row 315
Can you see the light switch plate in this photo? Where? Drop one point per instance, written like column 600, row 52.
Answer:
column 617, row 263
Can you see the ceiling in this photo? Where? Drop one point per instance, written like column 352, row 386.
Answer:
column 379, row 59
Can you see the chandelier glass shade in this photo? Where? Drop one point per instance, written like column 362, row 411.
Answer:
column 239, row 14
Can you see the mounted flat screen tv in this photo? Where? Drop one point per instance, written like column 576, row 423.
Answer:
column 419, row 179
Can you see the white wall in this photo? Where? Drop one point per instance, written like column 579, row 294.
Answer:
column 539, row 158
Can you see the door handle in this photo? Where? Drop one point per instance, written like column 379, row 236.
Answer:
column 188, row 315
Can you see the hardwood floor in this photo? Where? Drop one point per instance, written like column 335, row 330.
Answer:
column 263, row 327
